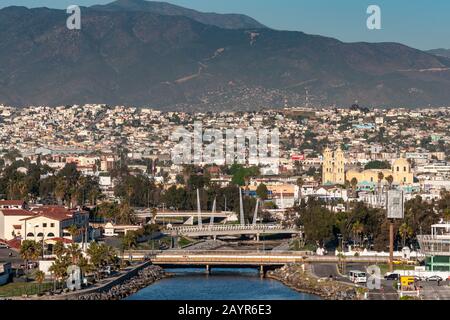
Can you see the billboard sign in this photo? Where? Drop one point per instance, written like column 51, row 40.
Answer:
column 299, row 157
column 395, row 204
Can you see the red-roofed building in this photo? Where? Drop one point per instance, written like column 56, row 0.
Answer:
column 11, row 222
column 13, row 204
column 40, row 222
column 49, row 222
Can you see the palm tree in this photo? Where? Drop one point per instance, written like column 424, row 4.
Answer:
column 74, row 251
column 446, row 215
column 357, row 229
column 354, row 183
column 300, row 183
column 84, row 265
column 73, row 230
column 39, row 276
column 60, row 190
column 59, row 268
column 390, row 180
column 30, row 250
column 22, row 188
column 380, row 178
column 59, row 249
column 126, row 214
column 405, row 232
column 129, row 241
column 154, row 214
column 101, row 255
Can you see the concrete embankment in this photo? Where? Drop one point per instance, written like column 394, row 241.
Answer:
column 298, row 278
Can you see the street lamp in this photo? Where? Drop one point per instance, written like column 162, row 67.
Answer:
column 43, row 243
column 340, row 244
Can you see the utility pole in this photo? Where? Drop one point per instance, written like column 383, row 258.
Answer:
column 391, row 245
column 395, row 208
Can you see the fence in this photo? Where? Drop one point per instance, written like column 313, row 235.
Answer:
column 21, row 289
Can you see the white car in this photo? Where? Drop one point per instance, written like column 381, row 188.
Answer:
column 3, row 246
column 435, row 278
column 357, row 276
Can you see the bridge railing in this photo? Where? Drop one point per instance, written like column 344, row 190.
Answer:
column 236, row 252
column 227, row 259
column 207, row 228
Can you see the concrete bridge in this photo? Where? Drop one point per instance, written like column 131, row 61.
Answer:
column 237, row 258
column 231, row 230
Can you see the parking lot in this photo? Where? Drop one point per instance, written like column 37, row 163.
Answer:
column 431, row 290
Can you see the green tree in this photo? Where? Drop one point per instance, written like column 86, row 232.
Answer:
column 59, row 267
column 39, row 276
column 405, row 232
column 317, row 221
column 354, row 184
column 30, row 250
column 377, row 165
column 129, row 241
column 262, row 191
column 357, row 230
column 390, row 180
column 59, row 249
column 73, row 230
column 101, row 255
column 74, row 252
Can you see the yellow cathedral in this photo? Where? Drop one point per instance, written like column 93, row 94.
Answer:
column 333, row 170
column 400, row 172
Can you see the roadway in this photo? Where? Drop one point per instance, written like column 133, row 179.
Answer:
column 233, row 257
column 431, row 290
column 325, row 270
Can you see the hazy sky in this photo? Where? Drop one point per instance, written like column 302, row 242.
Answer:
column 422, row 24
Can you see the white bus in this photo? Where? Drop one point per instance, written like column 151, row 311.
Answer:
column 357, row 276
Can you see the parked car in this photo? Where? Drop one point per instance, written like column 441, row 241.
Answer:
column 435, row 278
column 392, row 276
column 417, row 279
column 357, row 276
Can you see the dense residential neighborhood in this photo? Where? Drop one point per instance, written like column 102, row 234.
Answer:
column 89, row 184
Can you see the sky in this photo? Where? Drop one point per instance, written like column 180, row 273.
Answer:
column 422, row 24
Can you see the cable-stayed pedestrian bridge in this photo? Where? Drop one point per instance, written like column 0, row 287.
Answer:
column 234, row 230
column 183, row 214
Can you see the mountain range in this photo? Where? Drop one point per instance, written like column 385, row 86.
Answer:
column 440, row 52
column 136, row 52
column 226, row 21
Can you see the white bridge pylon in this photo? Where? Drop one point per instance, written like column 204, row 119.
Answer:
column 214, row 206
column 199, row 209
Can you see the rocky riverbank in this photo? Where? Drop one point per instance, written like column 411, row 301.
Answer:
column 299, row 279
column 142, row 279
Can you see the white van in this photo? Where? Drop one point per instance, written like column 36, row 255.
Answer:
column 357, row 276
